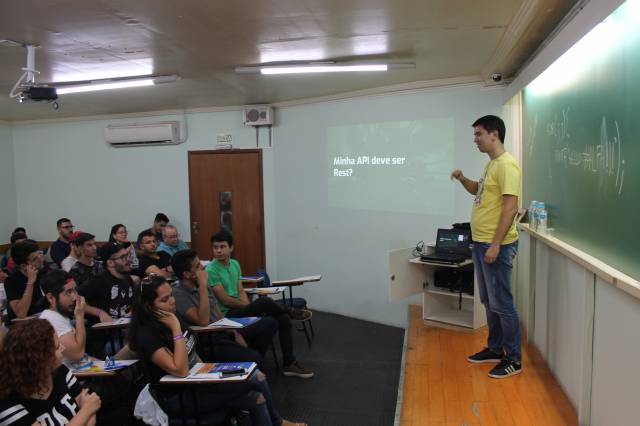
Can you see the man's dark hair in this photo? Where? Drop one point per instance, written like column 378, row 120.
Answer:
column 221, row 237
column 20, row 251
column 61, row 221
column 161, row 217
column 53, row 282
column 492, row 123
column 147, row 233
column 181, row 262
column 19, row 229
column 18, row 236
column 83, row 238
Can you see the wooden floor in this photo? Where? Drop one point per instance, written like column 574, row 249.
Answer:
column 442, row 388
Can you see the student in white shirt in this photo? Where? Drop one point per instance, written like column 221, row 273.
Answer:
column 64, row 305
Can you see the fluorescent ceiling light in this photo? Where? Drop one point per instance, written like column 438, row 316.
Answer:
column 319, row 68
column 123, row 83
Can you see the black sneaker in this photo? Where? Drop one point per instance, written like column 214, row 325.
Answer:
column 297, row 370
column 485, row 356
column 505, row 369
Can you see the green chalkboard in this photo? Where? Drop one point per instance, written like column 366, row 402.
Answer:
column 581, row 142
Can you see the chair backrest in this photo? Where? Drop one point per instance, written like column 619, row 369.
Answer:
column 266, row 280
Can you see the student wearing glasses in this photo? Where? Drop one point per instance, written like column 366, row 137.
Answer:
column 60, row 247
column 110, row 294
column 24, row 294
column 166, row 346
column 119, row 234
column 36, row 390
column 171, row 242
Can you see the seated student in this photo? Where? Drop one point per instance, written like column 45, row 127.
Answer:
column 171, row 242
column 60, row 247
column 197, row 306
column 111, row 292
column 65, row 305
column 167, row 347
column 224, row 277
column 87, row 267
column 74, row 254
column 7, row 263
column 159, row 222
column 150, row 261
column 36, row 390
column 119, row 235
column 22, row 286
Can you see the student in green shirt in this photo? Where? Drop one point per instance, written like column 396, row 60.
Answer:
column 224, row 278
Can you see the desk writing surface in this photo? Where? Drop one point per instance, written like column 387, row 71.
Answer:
column 195, row 377
column 119, row 323
column 297, row 281
column 581, row 150
column 266, row 290
column 97, row 369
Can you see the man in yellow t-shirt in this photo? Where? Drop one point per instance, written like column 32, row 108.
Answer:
column 495, row 243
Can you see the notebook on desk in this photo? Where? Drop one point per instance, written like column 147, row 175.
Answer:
column 452, row 246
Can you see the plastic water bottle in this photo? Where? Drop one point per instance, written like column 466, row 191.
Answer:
column 542, row 221
column 534, row 215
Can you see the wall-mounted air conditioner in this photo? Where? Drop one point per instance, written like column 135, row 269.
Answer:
column 257, row 115
column 162, row 133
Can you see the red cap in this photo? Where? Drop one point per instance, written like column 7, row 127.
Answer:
column 74, row 235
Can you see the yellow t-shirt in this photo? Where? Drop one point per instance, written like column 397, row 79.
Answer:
column 501, row 177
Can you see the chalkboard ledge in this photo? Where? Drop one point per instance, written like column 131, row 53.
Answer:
column 611, row 275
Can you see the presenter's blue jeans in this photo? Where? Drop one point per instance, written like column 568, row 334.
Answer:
column 494, row 285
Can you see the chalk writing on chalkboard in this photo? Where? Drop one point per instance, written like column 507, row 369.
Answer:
column 605, row 159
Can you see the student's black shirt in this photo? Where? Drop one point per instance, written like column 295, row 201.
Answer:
column 57, row 410
column 150, row 340
column 111, row 294
column 82, row 273
column 146, row 261
column 59, row 250
column 15, row 285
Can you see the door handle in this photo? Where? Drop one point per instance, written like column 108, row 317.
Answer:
column 194, row 227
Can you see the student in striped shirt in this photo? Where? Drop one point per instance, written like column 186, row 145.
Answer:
column 36, row 389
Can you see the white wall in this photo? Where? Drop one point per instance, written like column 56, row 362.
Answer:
column 66, row 169
column 348, row 246
column 8, row 212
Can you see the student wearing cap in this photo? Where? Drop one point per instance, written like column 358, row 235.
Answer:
column 111, row 292
column 87, row 266
column 71, row 260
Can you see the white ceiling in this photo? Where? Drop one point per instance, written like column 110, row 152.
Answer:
column 202, row 41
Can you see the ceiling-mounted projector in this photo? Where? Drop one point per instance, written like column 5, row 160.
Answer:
column 26, row 89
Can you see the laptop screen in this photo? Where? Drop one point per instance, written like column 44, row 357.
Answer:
column 453, row 241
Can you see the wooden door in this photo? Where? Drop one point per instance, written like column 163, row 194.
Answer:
column 225, row 189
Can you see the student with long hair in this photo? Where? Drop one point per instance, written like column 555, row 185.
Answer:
column 36, row 389
column 119, row 235
column 167, row 347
